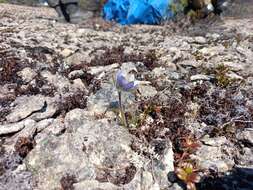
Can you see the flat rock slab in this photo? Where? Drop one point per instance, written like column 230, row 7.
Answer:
column 37, row 107
column 246, row 135
column 89, row 150
column 84, row 151
column 12, row 128
column 24, row 106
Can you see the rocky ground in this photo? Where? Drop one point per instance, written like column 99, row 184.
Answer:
column 57, row 128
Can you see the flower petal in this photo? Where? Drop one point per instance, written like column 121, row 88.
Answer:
column 191, row 186
column 123, row 84
column 181, row 174
column 194, row 177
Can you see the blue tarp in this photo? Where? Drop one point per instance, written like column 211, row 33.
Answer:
column 137, row 11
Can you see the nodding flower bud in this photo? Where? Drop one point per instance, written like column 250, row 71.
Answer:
column 123, row 84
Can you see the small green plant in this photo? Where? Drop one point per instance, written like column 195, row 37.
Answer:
column 139, row 119
column 220, row 74
column 178, row 6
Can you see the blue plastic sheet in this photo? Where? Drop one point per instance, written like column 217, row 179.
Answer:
column 137, row 11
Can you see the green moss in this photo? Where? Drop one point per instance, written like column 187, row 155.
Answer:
column 137, row 119
column 178, row 6
column 198, row 55
column 184, row 3
column 221, row 76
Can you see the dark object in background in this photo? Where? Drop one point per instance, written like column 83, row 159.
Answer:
column 220, row 5
column 68, row 10
column 207, row 6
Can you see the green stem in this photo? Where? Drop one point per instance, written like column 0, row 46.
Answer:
column 123, row 116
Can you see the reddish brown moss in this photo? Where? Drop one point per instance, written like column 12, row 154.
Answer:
column 24, row 145
column 67, row 182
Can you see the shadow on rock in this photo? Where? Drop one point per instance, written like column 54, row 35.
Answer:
column 237, row 179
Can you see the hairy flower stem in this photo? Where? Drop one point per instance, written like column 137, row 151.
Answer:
column 122, row 113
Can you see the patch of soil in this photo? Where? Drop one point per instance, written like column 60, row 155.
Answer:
column 118, row 55
column 39, row 86
column 67, row 182
column 73, row 101
column 118, row 177
column 24, row 145
column 10, row 64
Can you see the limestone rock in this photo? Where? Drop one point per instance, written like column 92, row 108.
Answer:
column 212, row 156
column 199, row 77
column 27, row 74
column 246, row 136
column 15, row 127
column 91, row 146
column 26, row 106
column 99, row 102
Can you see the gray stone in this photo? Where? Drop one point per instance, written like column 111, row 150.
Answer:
column 234, row 76
column 49, row 109
column 24, row 106
column 56, row 128
column 212, row 51
column 93, row 185
column 27, row 74
column 77, row 58
column 99, row 102
column 192, row 63
column 165, row 74
column 246, row 136
column 158, row 72
column 167, row 62
column 176, row 186
column 129, row 68
column 165, row 165
column 92, row 145
column 174, row 76
column 90, row 5
column 66, row 52
column 76, row 74
column 244, row 157
column 217, row 141
column 87, row 149
column 200, row 40
column 43, row 124
column 105, row 69
column 213, row 157
column 233, row 65
column 76, row 118
column 199, row 77
column 15, row 127
column 147, row 91
column 61, row 83
column 29, row 130
column 79, row 85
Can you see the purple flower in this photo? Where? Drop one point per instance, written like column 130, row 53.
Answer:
column 123, row 84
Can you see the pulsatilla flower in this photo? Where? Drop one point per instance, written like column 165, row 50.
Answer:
column 126, row 83
column 188, row 175
column 123, row 84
